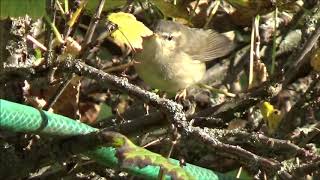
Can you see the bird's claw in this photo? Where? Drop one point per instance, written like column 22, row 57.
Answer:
column 181, row 95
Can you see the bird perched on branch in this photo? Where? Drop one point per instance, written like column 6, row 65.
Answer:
column 173, row 59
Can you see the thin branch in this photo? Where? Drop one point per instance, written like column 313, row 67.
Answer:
column 274, row 42
column 86, row 41
column 301, row 60
column 174, row 113
column 172, row 110
column 48, row 34
column 236, row 152
column 305, row 169
column 251, row 60
column 58, row 93
column 93, row 24
column 242, row 102
column 288, row 123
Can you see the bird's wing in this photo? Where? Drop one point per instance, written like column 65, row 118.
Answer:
column 206, row 45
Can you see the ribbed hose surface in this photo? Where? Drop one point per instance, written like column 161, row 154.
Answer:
column 20, row 118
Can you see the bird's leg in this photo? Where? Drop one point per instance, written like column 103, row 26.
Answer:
column 215, row 90
column 181, row 95
column 163, row 94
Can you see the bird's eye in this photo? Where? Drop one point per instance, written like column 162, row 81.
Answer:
column 168, row 37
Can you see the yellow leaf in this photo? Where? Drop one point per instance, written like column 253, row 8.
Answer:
column 266, row 108
column 271, row 116
column 130, row 31
column 76, row 14
column 274, row 120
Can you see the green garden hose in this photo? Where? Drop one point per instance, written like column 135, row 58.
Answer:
column 21, row 118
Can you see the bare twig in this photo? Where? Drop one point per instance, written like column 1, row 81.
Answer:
column 300, row 60
column 85, row 43
column 263, row 143
column 243, row 102
column 36, row 42
column 246, row 157
column 251, row 60
column 174, row 114
column 305, row 169
column 48, row 39
column 56, row 96
column 289, row 121
column 93, row 24
column 274, row 42
column 216, row 116
column 172, row 110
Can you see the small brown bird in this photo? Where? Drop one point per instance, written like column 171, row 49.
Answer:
column 174, row 57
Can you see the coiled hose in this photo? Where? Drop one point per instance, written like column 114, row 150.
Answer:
column 21, row 118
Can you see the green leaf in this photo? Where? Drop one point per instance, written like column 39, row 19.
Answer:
column 16, row 8
column 108, row 5
column 37, row 53
column 105, row 112
column 171, row 10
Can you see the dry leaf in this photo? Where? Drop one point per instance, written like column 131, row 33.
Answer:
column 130, row 31
column 260, row 73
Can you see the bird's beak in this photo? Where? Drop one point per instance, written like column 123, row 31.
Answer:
column 156, row 36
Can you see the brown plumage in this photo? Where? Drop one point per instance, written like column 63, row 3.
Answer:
column 174, row 58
